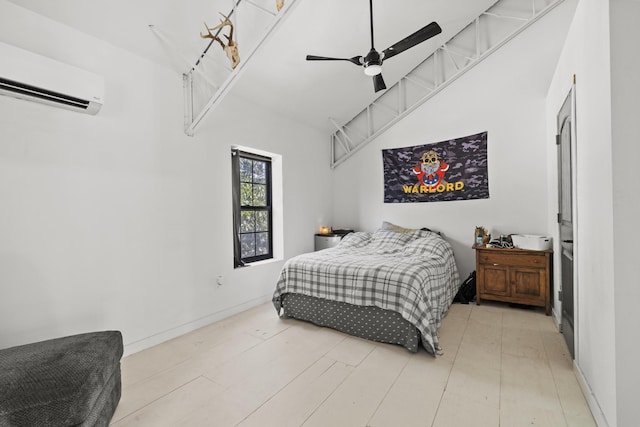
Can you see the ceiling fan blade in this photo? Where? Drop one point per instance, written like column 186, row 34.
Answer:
column 378, row 83
column 355, row 60
column 419, row 36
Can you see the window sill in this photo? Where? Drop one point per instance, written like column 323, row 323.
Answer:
column 263, row 262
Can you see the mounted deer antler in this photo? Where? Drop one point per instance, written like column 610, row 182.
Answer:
column 231, row 48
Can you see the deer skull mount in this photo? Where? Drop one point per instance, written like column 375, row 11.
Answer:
column 231, row 47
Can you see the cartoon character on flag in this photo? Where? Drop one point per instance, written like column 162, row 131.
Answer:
column 430, row 171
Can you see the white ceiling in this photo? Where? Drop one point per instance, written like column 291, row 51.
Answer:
column 277, row 76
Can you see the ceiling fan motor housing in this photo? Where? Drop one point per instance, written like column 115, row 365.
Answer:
column 372, row 63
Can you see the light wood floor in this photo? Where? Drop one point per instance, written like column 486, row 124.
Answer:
column 501, row 366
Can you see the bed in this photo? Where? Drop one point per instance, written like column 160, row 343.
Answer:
column 394, row 285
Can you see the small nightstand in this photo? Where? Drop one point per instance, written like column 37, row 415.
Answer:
column 514, row 275
column 325, row 241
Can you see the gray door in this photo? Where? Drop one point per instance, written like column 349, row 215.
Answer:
column 565, row 219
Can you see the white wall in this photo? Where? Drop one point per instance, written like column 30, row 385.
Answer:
column 586, row 54
column 601, row 51
column 504, row 95
column 120, row 221
column 625, row 126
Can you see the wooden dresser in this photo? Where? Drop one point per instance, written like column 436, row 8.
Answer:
column 514, row 275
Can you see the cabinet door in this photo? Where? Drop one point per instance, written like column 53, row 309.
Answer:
column 495, row 280
column 528, row 284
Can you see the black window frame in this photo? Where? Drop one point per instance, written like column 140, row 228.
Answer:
column 238, row 208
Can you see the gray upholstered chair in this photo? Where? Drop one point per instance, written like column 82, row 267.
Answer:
column 69, row 381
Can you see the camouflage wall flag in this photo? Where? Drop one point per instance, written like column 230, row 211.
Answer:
column 442, row 171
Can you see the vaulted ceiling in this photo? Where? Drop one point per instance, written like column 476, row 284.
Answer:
column 277, row 75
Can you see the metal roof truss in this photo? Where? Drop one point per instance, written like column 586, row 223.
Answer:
column 487, row 33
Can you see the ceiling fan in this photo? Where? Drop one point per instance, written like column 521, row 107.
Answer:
column 372, row 62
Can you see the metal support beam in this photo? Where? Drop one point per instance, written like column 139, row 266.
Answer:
column 175, row 51
column 224, row 87
column 341, row 130
column 260, row 7
column 443, row 75
column 418, row 82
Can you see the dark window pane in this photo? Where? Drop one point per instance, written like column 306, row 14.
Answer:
column 259, row 195
column 246, row 194
column 247, row 222
column 248, row 245
column 262, row 243
column 246, row 170
column 259, row 172
column 262, row 221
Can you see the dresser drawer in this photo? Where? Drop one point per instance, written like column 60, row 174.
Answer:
column 521, row 260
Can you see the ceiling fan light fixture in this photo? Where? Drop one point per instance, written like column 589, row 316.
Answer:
column 372, row 63
column 372, row 70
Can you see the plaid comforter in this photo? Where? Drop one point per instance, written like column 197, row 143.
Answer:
column 413, row 274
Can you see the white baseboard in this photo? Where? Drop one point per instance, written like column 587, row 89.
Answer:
column 556, row 319
column 596, row 411
column 159, row 338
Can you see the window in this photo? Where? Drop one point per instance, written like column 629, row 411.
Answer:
column 252, row 209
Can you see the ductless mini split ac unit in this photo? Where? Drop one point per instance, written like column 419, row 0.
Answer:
column 33, row 77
